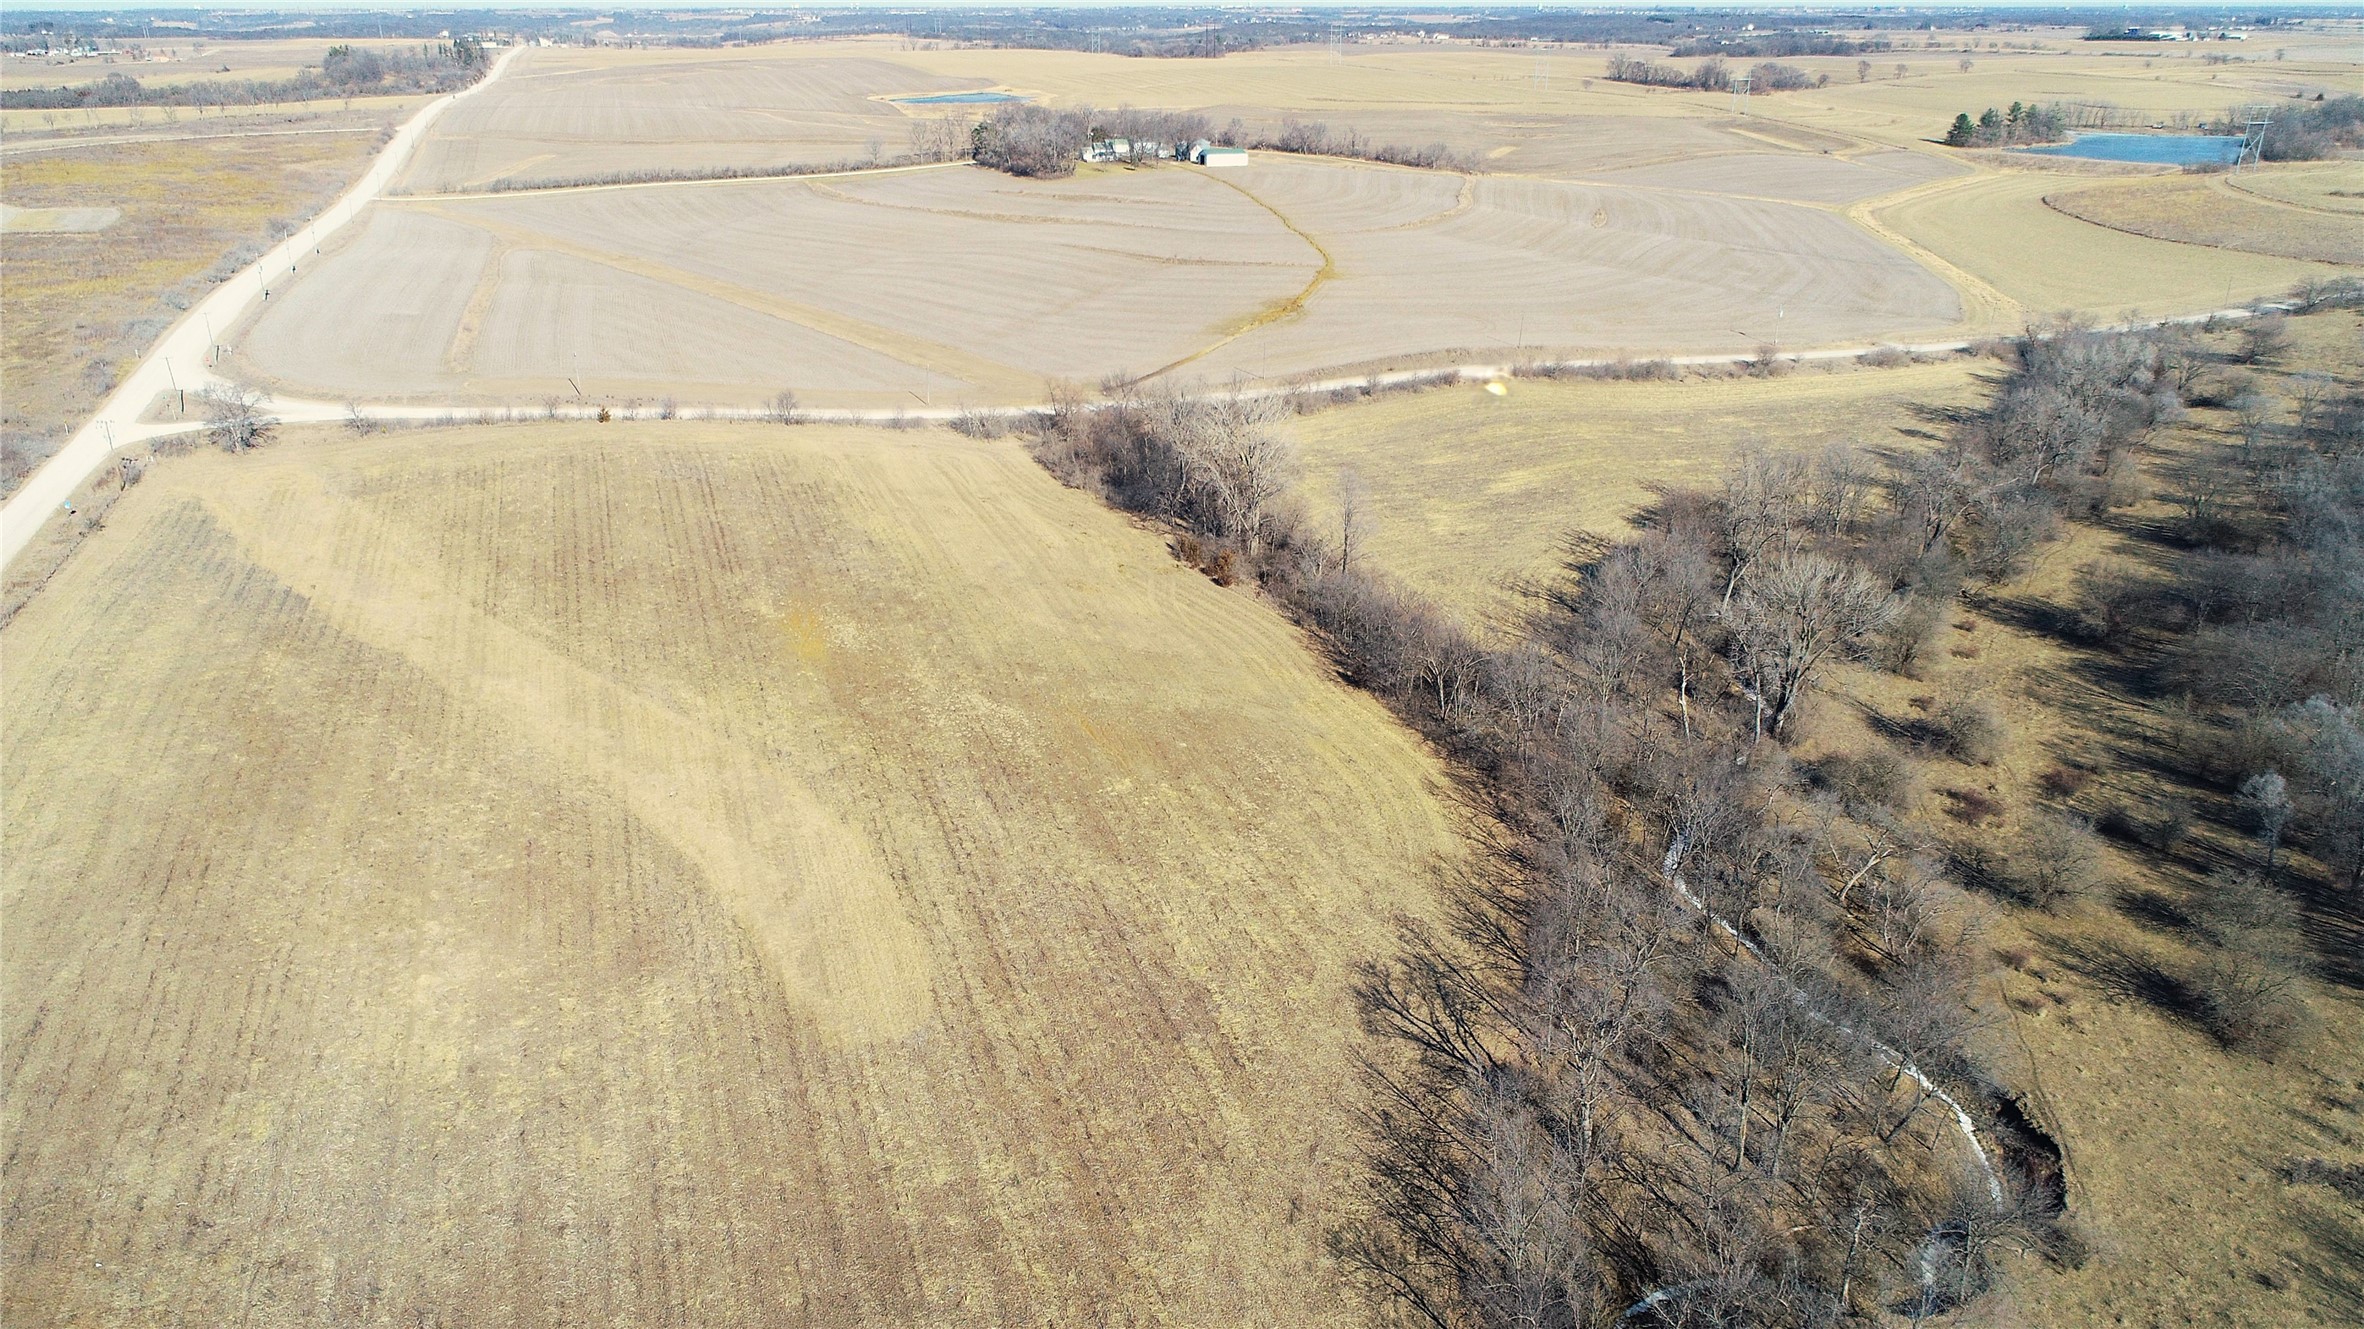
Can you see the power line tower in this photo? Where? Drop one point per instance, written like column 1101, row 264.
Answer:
column 1740, row 94
column 2253, row 132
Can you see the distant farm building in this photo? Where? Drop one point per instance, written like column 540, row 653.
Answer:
column 1213, row 156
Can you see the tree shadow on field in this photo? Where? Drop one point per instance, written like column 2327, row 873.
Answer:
column 2123, row 971
column 2333, row 1263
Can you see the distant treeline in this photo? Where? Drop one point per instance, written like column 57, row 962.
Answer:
column 345, row 72
column 1760, row 45
column 1712, row 75
column 1997, row 129
column 1040, row 141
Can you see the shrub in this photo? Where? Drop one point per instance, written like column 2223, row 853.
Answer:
column 2064, row 781
column 2058, row 859
column 1877, row 777
column 1969, row 730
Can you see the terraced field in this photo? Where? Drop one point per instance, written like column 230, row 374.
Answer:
column 2207, row 210
column 563, row 875
column 958, row 286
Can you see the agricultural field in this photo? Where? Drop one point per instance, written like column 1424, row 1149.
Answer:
column 111, row 234
column 2207, row 210
column 1472, row 495
column 2034, row 261
column 2320, row 187
column 1609, row 219
column 731, row 291
column 171, row 60
column 563, row 874
column 580, row 114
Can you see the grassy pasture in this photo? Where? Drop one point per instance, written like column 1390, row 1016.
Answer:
column 1996, row 228
column 76, row 300
column 1474, row 494
column 2208, row 210
column 563, row 874
column 2324, row 187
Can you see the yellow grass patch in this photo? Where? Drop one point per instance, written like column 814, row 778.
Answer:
column 1996, row 227
column 2332, row 187
column 1476, row 493
column 2207, row 210
column 565, row 874
column 79, row 298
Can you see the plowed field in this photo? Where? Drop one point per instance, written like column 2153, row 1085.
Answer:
column 557, row 875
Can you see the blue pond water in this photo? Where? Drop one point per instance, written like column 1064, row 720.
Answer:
column 961, row 99
column 2157, row 149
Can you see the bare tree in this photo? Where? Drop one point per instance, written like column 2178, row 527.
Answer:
column 1790, row 619
column 1238, row 462
column 1356, row 521
column 233, row 418
column 1754, row 519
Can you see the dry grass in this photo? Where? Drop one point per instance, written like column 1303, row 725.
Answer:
column 188, row 60
column 563, row 875
column 99, row 297
column 2207, row 210
column 1996, row 228
column 1475, row 494
column 2323, row 187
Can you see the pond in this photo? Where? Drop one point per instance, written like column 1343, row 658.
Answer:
column 960, row 99
column 2157, row 149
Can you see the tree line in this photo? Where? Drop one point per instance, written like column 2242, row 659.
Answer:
column 1029, row 140
column 2309, row 131
column 1777, row 44
column 2241, row 619
column 1589, row 1100
column 1713, row 75
column 2022, row 123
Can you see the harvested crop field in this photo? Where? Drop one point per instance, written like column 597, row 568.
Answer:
column 2207, row 210
column 1792, row 176
column 562, row 875
column 1473, row 495
column 731, row 291
column 569, row 115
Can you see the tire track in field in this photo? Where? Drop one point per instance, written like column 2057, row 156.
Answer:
column 808, row 891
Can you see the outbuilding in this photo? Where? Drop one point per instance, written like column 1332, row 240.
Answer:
column 1223, row 157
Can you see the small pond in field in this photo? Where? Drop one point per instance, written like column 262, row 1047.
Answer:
column 960, row 99
column 2156, row 149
